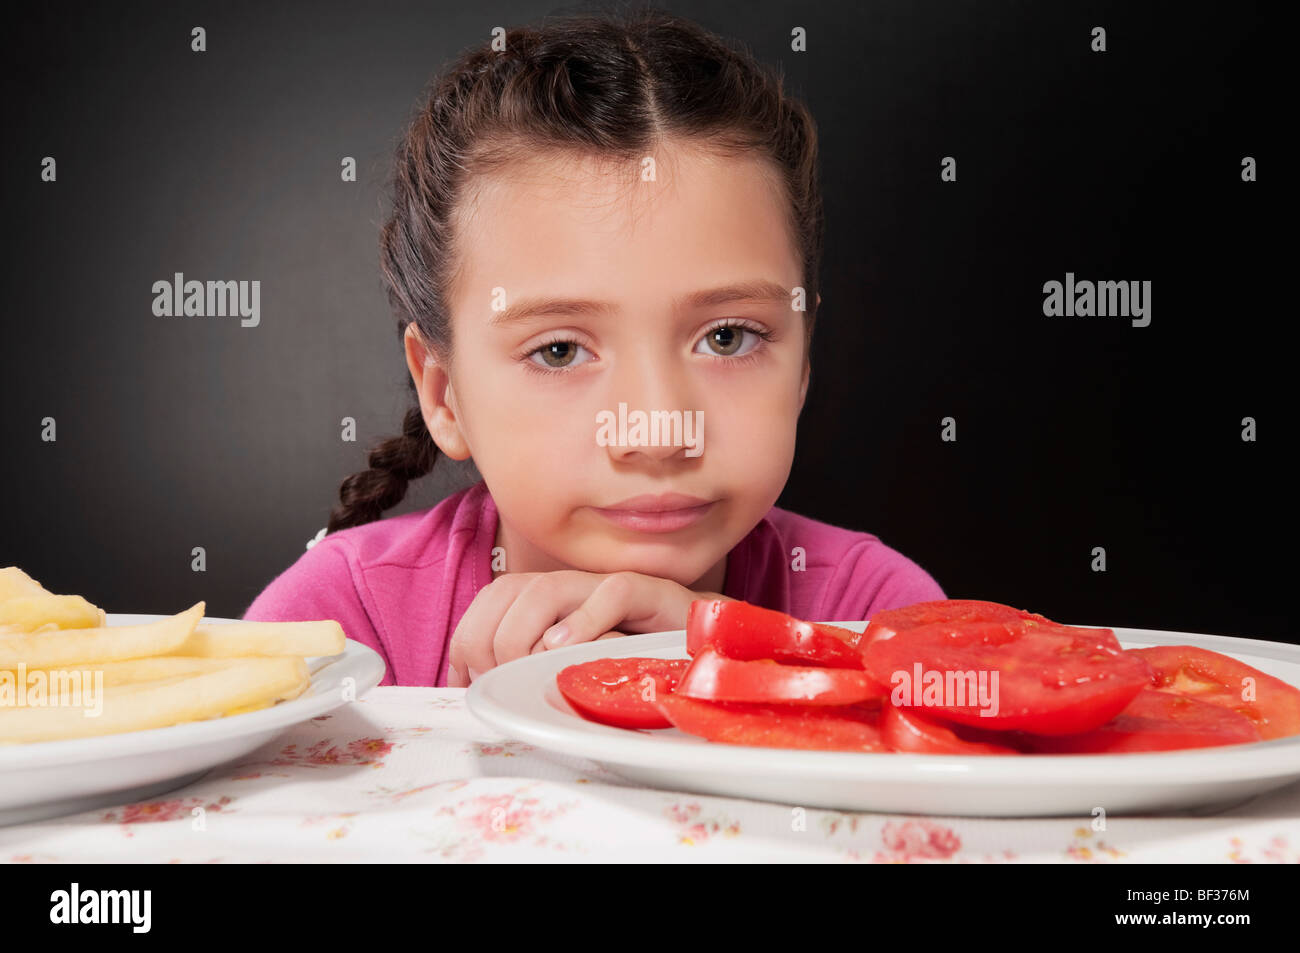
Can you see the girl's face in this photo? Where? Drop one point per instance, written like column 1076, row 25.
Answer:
column 592, row 295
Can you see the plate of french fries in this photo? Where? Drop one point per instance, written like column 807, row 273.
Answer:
column 99, row 708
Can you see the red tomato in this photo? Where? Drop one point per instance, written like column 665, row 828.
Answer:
column 615, row 691
column 1221, row 680
column 1050, row 679
column 776, row 726
column 848, row 636
column 1156, row 721
column 740, row 630
column 905, row 730
column 714, row 677
column 885, row 625
column 890, row 622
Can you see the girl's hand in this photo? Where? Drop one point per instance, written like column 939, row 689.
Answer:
column 521, row 614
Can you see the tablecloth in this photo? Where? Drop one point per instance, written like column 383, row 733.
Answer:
column 409, row 775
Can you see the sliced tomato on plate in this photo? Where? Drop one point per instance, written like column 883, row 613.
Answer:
column 776, row 726
column 1041, row 678
column 905, row 730
column 616, row 691
column 1156, row 721
column 740, row 630
column 713, row 676
column 887, row 624
column 1271, row 704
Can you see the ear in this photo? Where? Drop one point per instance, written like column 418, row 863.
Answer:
column 803, row 384
column 437, row 400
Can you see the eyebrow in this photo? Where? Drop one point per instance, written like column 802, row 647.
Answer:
column 756, row 290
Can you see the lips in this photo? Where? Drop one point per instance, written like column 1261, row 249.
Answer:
column 660, row 503
column 657, row 513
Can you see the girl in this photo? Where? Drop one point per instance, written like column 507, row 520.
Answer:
column 603, row 257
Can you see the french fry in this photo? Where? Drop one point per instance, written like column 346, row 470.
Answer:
column 252, row 682
column 25, row 604
column 66, row 612
column 20, row 629
column 14, row 582
column 133, row 671
column 65, row 648
column 241, row 639
column 65, row 687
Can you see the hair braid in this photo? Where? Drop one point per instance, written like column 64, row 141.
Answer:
column 394, row 462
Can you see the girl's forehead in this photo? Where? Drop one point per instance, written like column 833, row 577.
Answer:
column 549, row 209
column 618, row 229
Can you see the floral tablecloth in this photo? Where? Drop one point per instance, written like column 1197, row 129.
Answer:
column 409, row 775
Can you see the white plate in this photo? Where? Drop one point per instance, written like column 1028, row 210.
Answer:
column 48, row 778
column 520, row 699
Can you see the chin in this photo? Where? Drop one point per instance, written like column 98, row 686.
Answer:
column 663, row 568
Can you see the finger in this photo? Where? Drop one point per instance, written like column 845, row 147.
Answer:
column 456, row 666
column 541, row 646
column 624, row 601
column 546, row 599
column 471, row 643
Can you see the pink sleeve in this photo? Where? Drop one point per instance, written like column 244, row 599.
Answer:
column 878, row 578
column 904, row 586
column 320, row 585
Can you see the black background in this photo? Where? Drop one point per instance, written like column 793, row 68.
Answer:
column 1072, row 432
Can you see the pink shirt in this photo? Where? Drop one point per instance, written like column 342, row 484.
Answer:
column 400, row 585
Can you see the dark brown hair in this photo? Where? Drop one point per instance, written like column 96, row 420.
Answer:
column 599, row 84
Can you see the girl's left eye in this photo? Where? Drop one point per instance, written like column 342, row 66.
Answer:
column 728, row 340
column 557, row 355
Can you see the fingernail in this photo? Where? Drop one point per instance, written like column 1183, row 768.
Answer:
column 556, row 635
column 472, row 674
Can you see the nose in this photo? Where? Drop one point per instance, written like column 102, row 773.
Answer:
column 654, row 415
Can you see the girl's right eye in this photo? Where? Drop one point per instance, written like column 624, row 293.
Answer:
column 557, row 355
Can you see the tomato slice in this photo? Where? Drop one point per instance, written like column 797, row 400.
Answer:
column 1037, row 677
column 776, row 726
column 1219, row 679
column 740, row 630
column 887, row 624
column 848, row 636
column 714, row 677
column 907, row 731
column 1156, row 721
column 615, row 691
